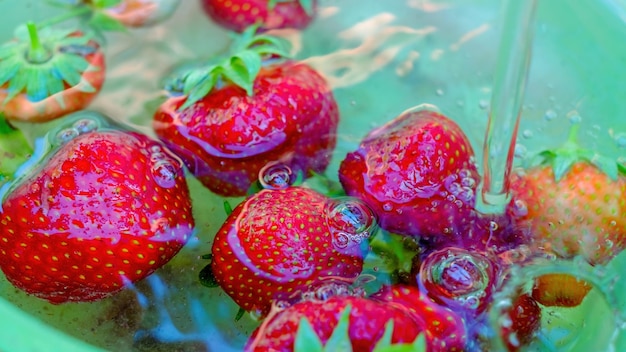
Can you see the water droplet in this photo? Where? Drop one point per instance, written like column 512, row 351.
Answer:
column 85, row 125
column 66, row 135
column 620, row 139
column 527, row 134
column 520, row 208
column 574, row 118
column 483, row 104
column 550, row 115
column 276, row 175
column 164, row 173
column 521, row 151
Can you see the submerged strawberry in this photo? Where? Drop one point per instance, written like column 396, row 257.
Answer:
column 248, row 111
column 106, row 208
column 136, row 13
column 278, row 242
column 237, row 15
column 576, row 203
column 443, row 328
column 417, row 172
column 523, row 321
column 561, row 290
column 339, row 323
column 48, row 73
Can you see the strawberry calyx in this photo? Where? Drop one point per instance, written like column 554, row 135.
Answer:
column 241, row 67
column 308, row 341
column 563, row 158
column 307, row 5
column 44, row 61
column 14, row 150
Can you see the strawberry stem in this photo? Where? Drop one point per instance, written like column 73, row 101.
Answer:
column 37, row 53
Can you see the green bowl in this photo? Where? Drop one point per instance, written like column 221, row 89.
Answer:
column 381, row 57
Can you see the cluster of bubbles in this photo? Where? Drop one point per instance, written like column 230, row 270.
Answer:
column 79, row 127
column 460, row 188
column 276, row 175
column 350, row 221
column 163, row 169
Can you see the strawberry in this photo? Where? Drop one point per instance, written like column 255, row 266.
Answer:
column 575, row 201
column 278, row 242
column 443, row 328
column 104, row 208
column 561, row 290
column 248, row 111
column 418, row 174
column 523, row 321
column 237, row 15
column 48, row 73
column 361, row 321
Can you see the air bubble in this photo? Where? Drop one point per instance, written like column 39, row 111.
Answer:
column 85, row 125
column 574, row 118
column 520, row 208
column 276, row 175
column 164, row 173
column 66, row 135
column 439, row 92
column 527, row 134
column 521, row 151
column 387, row 207
column 154, row 157
column 349, row 220
column 483, row 104
column 550, row 115
column 493, row 226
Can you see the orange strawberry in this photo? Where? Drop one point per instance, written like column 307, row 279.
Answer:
column 561, row 290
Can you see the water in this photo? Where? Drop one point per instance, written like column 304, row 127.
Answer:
column 511, row 73
column 381, row 60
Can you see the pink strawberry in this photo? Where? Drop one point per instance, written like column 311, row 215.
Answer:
column 105, row 208
column 278, row 242
column 418, row 174
column 366, row 324
column 235, row 119
column 237, row 15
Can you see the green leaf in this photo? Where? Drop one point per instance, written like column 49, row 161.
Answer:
column 561, row 165
column 105, row 3
column 242, row 69
column 340, row 340
column 306, row 338
column 227, row 208
column 307, row 5
column 609, row 166
column 621, row 168
column 240, row 314
column 385, row 345
column 101, row 21
column 207, row 278
column 14, row 150
column 386, row 339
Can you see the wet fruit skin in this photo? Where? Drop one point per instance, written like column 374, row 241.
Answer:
column 21, row 108
column 227, row 137
column 366, row 324
column 276, row 244
column 102, row 211
column 417, row 173
column 237, row 15
column 584, row 213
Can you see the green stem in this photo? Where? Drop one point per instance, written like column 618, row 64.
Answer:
column 572, row 137
column 79, row 11
column 37, row 52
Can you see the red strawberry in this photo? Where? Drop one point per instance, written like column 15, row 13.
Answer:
column 280, row 241
column 106, row 208
column 49, row 73
column 576, row 203
column 237, row 15
column 366, row 325
column 444, row 329
column 417, row 173
column 227, row 132
column 561, row 290
column 523, row 321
